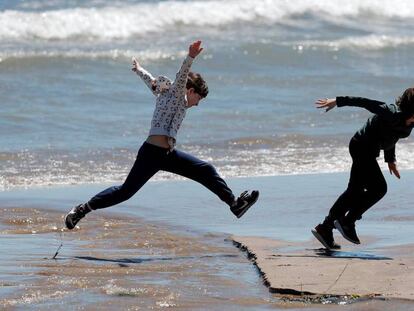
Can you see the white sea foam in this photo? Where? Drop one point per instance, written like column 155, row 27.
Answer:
column 370, row 42
column 112, row 22
column 92, row 54
column 230, row 163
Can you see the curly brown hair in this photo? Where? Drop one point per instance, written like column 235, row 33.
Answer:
column 406, row 102
column 196, row 82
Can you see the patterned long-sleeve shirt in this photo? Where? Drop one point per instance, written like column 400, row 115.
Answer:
column 171, row 102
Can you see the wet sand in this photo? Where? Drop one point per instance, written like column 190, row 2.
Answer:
column 305, row 269
column 118, row 263
column 121, row 263
column 174, row 252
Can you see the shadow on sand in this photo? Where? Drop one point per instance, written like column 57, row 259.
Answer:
column 322, row 252
column 326, row 253
column 123, row 262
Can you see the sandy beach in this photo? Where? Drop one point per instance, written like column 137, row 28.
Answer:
column 73, row 117
column 142, row 255
column 305, row 269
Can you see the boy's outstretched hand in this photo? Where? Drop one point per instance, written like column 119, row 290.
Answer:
column 195, row 49
column 392, row 166
column 326, row 103
column 135, row 65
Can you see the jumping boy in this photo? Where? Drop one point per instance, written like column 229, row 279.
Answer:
column 366, row 184
column 158, row 152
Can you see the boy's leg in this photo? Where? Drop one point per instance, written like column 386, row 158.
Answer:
column 140, row 173
column 145, row 166
column 375, row 187
column 324, row 231
column 191, row 167
column 186, row 165
column 350, row 197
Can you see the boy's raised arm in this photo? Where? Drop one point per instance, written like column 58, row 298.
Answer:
column 145, row 75
column 181, row 78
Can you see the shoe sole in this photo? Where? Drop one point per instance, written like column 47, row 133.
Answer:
column 248, row 206
column 322, row 241
column 341, row 230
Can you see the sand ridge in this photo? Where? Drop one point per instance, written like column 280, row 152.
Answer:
column 303, row 269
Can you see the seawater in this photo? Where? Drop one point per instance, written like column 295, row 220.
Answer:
column 72, row 111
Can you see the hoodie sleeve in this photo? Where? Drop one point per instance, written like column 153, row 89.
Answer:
column 389, row 155
column 374, row 106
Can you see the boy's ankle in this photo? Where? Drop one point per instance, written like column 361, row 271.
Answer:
column 328, row 223
column 88, row 207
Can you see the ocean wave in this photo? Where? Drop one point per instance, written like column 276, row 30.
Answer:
column 146, row 55
column 370, row 42
column 112, row 22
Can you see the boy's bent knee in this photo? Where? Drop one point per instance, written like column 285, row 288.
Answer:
column 126, row 193
column 208, row 169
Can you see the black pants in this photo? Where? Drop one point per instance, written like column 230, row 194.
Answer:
column 150, row 160
column 365, row 188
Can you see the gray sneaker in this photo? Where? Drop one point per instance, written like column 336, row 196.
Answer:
column 347, row 230
column 325, row 236
column 76, row 214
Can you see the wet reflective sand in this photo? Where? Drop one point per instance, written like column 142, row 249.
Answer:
column 119, row 263
column 166, row 253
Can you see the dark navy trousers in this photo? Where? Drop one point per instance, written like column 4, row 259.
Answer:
column 150, row 160
column 366, row 186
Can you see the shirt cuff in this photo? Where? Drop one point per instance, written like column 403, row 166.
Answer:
column 340, row 101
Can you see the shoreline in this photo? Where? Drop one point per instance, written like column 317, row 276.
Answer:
column 124, row 240
column 281, row 211
column 115, row 262
column 176, row 178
